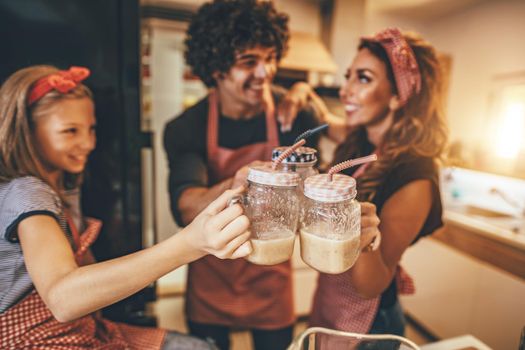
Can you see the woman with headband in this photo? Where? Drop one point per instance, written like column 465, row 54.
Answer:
column 393, row 102
column 50, row 286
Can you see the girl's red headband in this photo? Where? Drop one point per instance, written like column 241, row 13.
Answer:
column 62, row 81
column 402, row 60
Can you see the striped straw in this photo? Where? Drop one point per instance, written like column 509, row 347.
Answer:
column 350, row 163
column 287, row 152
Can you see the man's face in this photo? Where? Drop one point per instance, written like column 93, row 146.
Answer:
column 250, row 75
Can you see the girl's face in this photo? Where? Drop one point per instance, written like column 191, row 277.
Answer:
column 252, row 73
column 65, row 136
column 367, row 93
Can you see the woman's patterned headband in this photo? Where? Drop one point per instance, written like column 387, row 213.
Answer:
column 402, row 60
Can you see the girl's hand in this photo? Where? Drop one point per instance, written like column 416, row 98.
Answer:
column 370, row 234
column 221, row 230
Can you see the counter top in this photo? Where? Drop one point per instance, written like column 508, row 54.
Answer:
column 464, row 342
column 494, row 240
column 505, row 229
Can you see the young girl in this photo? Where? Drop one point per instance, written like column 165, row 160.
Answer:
column 47, row 296
column 393, row 102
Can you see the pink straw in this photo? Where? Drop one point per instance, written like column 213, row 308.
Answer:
column 287, row 152
column 350, row 163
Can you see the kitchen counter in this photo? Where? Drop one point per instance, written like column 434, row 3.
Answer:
column 490, row 237
column 464, row 342
column 497, row 226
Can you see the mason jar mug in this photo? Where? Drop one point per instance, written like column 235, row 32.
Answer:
column 271, row 202
column 330, row 223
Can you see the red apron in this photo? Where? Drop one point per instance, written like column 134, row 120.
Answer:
column 30, row 325
column 337, row 305
column 237, row 292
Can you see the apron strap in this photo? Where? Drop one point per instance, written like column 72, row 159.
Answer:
column 73, row 229
column 85, row 240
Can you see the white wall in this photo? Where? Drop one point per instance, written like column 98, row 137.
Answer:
column 484, row 40
column 304, row 15
column 347, row 27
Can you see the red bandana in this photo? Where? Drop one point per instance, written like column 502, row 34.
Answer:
column 63, row 81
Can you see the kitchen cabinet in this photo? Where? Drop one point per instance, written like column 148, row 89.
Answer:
column 457, row 294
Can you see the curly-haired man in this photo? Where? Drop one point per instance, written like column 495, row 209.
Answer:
column 234, row 46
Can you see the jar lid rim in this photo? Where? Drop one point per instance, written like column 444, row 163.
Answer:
column 320, row 188
column 265, row 175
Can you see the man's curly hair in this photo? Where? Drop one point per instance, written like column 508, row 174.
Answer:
column 223, row 28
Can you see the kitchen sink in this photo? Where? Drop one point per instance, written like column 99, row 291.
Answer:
column 489, row 218
column 484, row 212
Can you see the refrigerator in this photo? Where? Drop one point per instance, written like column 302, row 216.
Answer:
column 168, row 87
column 103, row 35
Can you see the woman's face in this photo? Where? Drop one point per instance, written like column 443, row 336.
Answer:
column 367, row 92
column 65, row 136
column 252, row 73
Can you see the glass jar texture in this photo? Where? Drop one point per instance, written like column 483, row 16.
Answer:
column 274, row 214
column 330, row 234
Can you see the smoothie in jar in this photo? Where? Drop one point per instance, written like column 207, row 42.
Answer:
column 330, row 223
column 328, row 253
column 270, row 248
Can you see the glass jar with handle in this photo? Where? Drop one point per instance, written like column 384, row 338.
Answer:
column 330, row 223
column 271, row 202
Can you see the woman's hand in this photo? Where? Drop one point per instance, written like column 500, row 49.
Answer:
column 221, row 230
column 370, row 234
column 295, row 99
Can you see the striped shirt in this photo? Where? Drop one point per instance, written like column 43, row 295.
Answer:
column 19, row 199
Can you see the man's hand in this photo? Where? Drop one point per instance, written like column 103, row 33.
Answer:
column 239, row 179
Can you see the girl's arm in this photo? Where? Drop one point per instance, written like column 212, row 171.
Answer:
column 402, row 217
column 71, row 291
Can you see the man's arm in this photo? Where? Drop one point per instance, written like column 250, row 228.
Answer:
column 194, row 199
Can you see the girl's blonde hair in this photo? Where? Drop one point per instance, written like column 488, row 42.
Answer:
column 419, row 127
column 18, row 156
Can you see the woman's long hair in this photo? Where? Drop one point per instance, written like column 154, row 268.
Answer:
column 18, row 153
column 419, row 127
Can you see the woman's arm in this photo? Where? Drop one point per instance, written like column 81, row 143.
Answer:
column 71, row 291
column 402, row 217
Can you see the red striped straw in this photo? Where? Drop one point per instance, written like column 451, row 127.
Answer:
column 287, row 152
column 350, row 163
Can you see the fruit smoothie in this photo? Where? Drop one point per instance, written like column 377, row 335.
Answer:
column 328, row 254
column 271, row 248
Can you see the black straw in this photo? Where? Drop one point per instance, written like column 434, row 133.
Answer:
column 310, row 132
